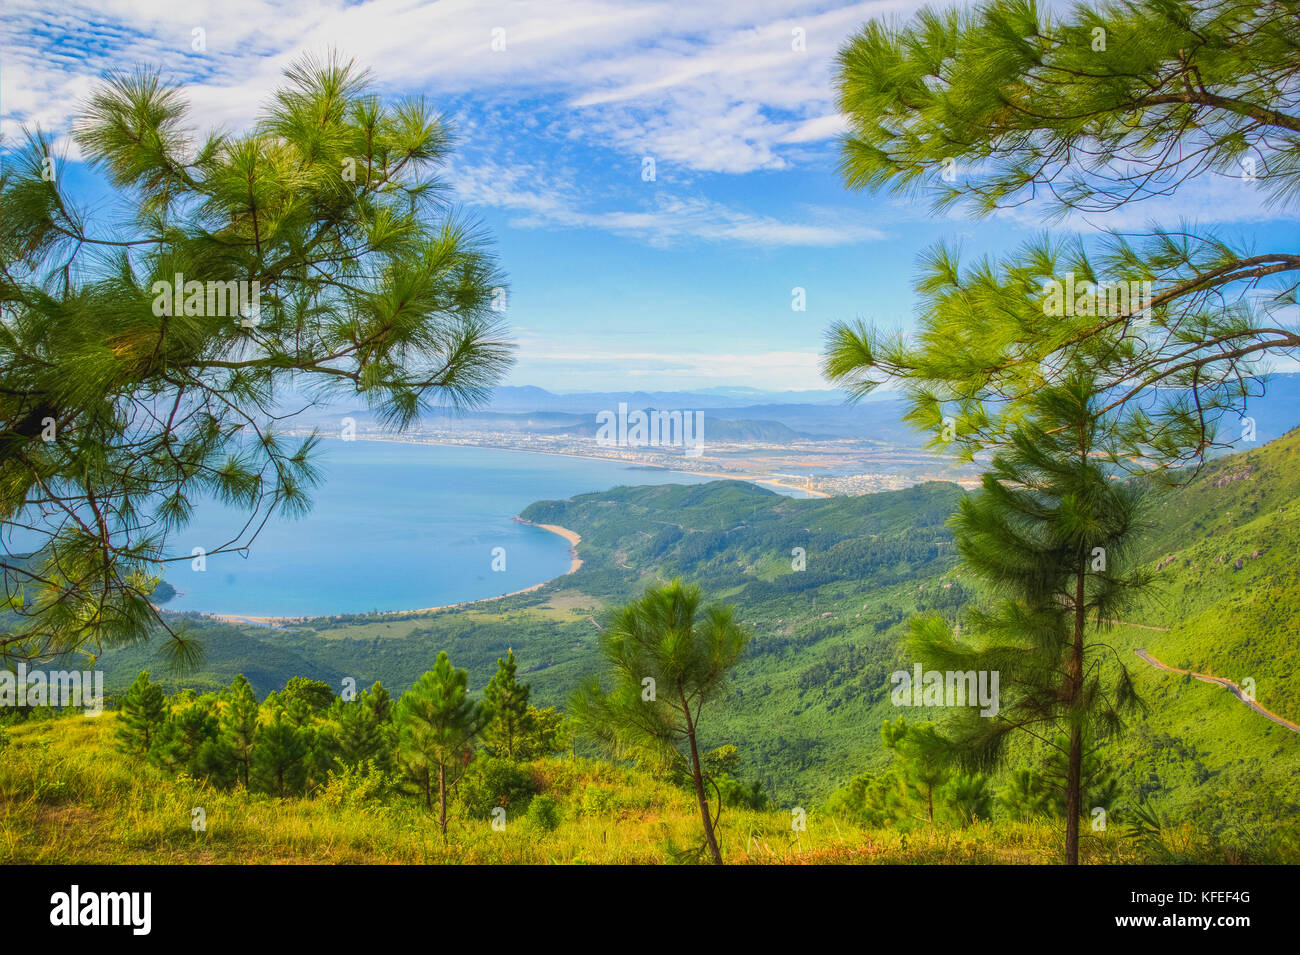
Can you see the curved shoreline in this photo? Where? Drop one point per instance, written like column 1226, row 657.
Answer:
column 575, row 562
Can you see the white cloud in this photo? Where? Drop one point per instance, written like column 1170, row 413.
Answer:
column 705, row 87
column 660, row 220
column 657, row 76
column 814, row 130
column 545, row 359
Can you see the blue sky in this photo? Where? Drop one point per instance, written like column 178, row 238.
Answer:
column 616, row 282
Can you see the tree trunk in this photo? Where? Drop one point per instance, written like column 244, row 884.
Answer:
column 442, row 799
column 698, row 778
column 1074, row 775
column 1073, row 797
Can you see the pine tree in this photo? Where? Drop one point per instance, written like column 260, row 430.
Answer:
column 667, row 660
column 923, row 761
column 361, row 734
column 281, row 757
column 129, row 394
column 1049, row 532
column 439, row 727
column 379, row 702
column 509, row 701
column 305, row 698
column 968, row 796
column 140, row 715
column 1024, row 796
column 1099, row 786
column 1089, row 108
column 186, row 739
column 238, row 722
column 542, row 733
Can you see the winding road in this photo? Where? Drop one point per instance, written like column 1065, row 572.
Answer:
column 1233, row 688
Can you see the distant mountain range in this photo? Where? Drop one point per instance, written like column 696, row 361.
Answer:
column 745, row 414
column 531, row 398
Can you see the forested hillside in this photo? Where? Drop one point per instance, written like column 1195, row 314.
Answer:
column 828, row 587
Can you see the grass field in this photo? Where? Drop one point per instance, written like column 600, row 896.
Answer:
column 67, row 796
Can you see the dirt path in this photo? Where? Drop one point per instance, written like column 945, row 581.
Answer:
column 1140, row 626
column 1233, row 688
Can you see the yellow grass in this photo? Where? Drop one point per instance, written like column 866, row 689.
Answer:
column 66, row 795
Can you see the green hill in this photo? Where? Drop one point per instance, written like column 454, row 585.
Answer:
column 1227, row 546
column 828, row 586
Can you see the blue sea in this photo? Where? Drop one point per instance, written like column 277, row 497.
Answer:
column 395, row 527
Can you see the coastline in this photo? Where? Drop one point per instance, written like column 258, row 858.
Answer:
column 277, row 622
column 716, row 475
column 575, row 562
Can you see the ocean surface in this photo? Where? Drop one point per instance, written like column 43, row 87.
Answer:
column 395, row 527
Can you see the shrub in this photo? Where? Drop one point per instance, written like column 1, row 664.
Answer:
column 597, row 801
column 492, row 782
column 543, row 813
column 360, row 788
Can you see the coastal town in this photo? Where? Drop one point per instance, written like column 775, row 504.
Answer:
column 812, row 467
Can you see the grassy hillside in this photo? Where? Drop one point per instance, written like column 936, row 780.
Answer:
column 1228, row 546
column 67, row 796
column 807, row 700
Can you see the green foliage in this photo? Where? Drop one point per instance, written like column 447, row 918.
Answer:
column 1091, row 109
column 923, row 761
column 541, row 733
column 493, row 781
column 142, row 709
column 361, row 788
column 363, row 732
column 666, row 664
column 922, row 785
column 1052, row 533
column 135, row 813
column 712, row 529
column 238, row 722
column 188, row 742
column 597, row 801
column 310, row 696
column 124, row 401
column 723, row 761
column 280, row 759
column 543, row 813
column 1024, row 796
column 508, row 699
column 734, row 794
column 969, row 796
column 720, row 767
column 439, row 727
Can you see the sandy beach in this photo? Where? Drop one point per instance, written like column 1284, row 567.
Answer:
column 574, row 563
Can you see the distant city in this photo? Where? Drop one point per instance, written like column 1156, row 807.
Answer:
column 815, row 443
column 818, row 468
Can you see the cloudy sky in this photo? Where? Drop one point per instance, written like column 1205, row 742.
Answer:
column 683, row 281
